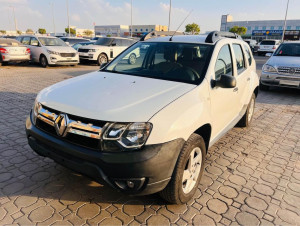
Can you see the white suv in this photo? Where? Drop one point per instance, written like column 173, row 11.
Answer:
column 106, row 49
column 48, row 50
column 146, row 127
column 267, row 46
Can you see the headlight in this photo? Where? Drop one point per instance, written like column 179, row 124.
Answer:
column 129, row 135
column 269, row 68
column 53, row 52
column 35, row 111
column 92, row 50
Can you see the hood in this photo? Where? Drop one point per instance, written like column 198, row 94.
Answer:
column 93, row 47
column 112, row 97
column 61, row 49
column 286, row 61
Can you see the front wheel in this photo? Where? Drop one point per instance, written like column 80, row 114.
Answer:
column 102, row 59
column 247, row 118
column 43, row 61
column 187, row 173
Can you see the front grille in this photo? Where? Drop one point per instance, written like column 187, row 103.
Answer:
column 289, row 70
column 78, row 130
column 68, row 54
column 83, row 50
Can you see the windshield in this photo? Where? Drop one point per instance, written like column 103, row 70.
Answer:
column 181, row 62
column 268, row 43
column 52, row 41
column 104, row 41
column 290, row 49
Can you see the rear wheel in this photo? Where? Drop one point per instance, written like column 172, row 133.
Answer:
column 43, row 61
column 247, row 118
column 263, row 87
column 102, row 59
column 187, row 173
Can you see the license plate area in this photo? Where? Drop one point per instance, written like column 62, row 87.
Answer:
column 289, row 83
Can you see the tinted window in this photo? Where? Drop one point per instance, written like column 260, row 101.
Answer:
column 239, row 57
column 26, row 40
column 248, row 54
column 34, row 42
column 51, row 41
column 182, row 62
column 291, row 49
column 224, row 62
column 19, row 39
column 269, row 42
column 104, row 41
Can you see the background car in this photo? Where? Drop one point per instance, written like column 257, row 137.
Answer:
column 252, row 43
column 12, row 50
column 73, row 40
column 267, row 46
column 106, row 49
column 283, row 68
column 49, row 50
column 78, row 45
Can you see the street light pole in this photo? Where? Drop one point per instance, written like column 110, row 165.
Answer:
column 53, row 18
column 170, row 15
column 13, row 8
column 68, row 17
column 286, row 12
column 131, row 21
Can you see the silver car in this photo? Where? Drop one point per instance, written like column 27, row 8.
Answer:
column 283, row 68
column 12, row 50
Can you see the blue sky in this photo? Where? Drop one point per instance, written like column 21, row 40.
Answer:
column 83, row 13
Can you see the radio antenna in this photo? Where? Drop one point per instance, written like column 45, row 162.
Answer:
column 180, row 25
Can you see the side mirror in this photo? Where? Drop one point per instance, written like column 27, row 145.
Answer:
column 67, row 43
column 225, row 81
column 102, row 66
column 269, row 54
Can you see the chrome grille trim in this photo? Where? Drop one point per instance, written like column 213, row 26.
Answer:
column 286, row 70
column 73, row 126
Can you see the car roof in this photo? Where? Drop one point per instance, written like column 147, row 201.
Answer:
column 37, row 36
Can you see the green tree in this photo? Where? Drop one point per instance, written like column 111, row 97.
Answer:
column 73, row 31
column 19, row 32
column 29, row 31
column 192, row 28
column 87, row 32
column 3, row 32
column 42, row 31
column 238, row 30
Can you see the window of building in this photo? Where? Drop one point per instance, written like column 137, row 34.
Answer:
column 135, row 29
column 228, row 28
column 224, row 62
column 280, row 28
column 298, row 28
column 264, row 27
column 256, row 27
column 272, row 27
column 152, row 29
column 130, row 29
column 141, row 29
column 146, row 29
column 289, row 27
column 249, row 28
column 239, row 58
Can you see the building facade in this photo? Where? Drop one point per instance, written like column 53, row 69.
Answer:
column 125, row 30
column 261, row 29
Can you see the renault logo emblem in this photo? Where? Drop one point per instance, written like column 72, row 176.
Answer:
column 60, row 124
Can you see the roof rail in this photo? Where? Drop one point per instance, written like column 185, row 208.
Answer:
column 214, row 36
column 155, row 34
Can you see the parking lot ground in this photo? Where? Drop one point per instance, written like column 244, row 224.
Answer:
column 252, row 176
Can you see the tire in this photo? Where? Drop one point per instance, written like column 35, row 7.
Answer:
column 178, row 190
column 248, row 116
column 263, row 87
column 132, row 58
column 102, row 59
column 43, row 61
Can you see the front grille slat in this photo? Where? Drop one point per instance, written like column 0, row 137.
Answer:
column 80, row 131
column 288, row 70
column 67, row 54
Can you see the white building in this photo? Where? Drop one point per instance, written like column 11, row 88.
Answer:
column 272, row 29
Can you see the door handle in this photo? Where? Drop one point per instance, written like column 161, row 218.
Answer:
column 235, row 89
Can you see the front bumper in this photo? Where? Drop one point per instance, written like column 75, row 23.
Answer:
column 152, row 166
column 16, row 58
column 58, row 60
column 280, row 80
column 87, row 56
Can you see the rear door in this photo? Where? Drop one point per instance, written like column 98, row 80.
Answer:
column 242, row 74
